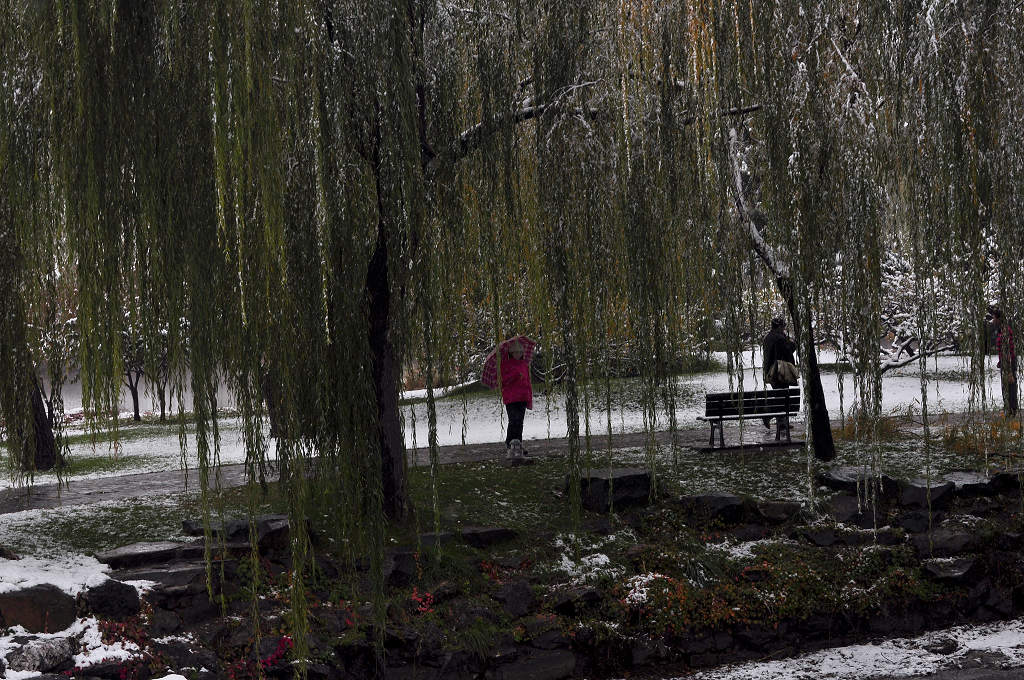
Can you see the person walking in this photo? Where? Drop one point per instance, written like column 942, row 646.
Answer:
column 776, row 346
column 1006, row 351
column 516, row 393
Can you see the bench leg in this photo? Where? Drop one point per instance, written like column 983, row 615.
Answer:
column 721, row 435
column 712, row 442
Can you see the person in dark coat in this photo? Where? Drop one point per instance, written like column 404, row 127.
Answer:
column 776, row 346
column 1006, row 350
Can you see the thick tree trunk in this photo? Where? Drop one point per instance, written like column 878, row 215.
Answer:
column 385, row 380
column 820, row 424
column 40, row 452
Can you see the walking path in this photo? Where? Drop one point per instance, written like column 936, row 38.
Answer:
column 88, row 491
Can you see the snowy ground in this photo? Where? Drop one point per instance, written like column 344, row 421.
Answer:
column 480, row 417
column 898, row 658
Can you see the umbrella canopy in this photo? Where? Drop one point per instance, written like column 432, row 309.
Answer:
column 489, row 374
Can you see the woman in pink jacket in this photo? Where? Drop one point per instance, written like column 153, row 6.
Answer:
column 516, row 393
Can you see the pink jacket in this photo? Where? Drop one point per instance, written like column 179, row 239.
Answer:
column 515, row 381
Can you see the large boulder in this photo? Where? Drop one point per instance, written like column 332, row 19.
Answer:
column 725, row 507
column 112, row 600
column 956, row 570
column 922, row 493
column 552, row 664
column 848, row 509
column 39, row 609
column 969, row 484
column 42, row 655
column 483, row 537
column 848, row 478
column 272, row 531
column 778, row 512
column 148, row 553
column 945, row 543
column 517, row 598
column 602, row 490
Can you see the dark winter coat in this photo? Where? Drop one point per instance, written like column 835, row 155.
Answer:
column 776, row 346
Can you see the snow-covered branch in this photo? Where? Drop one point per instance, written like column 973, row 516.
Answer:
column 779, row 268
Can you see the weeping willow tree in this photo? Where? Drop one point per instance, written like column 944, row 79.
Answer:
column 304, row 201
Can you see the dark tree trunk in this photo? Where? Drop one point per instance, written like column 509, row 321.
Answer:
column 821, row 426
column 160, row 389
column 133, row 387
column 44, row 457
column 385, row 380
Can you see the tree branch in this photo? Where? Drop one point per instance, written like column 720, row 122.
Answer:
column 472, row 138
column 779, row 268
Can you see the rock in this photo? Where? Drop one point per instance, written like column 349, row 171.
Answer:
column 778, row 512
column 822, row 537
column 603, row 490
column 968, row 484
column 725, row 507
column 644, row 650
column 42, row 655
column 1006, row 480
column 915, row 493
column 145, row 554
column 574, row 600
column 846, row 509
column 945, row 543
column 170, row 575
column 916, row 522
column 942, row 645
column 554, row 664
column 950, row 570
column 40, row 609
column 112, row 600
column 272, row 531
column 7, row 554
column 163, row 622
column 482, row 537
column 846, row 478
column 550, row 639
column 517, row 598
column 400, row 569
column 183, row 655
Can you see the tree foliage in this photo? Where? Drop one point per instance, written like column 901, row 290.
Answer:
column 309, row 196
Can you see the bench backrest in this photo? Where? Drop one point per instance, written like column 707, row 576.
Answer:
column 730, row 404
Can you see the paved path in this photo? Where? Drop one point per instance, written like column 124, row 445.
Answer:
column 87, row 491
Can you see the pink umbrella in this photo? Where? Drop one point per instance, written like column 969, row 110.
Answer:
column 489, row 374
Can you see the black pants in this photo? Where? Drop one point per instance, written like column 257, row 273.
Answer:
column 516, row 415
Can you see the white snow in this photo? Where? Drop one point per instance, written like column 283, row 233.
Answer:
column 639, row 586
column 71, row 573
column 901, row 657
column 485, row 419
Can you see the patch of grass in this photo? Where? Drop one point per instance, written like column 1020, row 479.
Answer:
column 861, row 426
column 127, row 431
column 78, row 466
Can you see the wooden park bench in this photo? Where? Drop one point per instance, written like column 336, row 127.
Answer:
column 722, row 406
